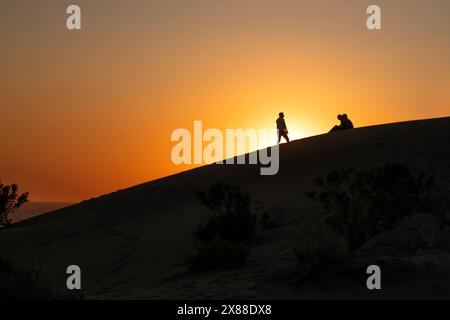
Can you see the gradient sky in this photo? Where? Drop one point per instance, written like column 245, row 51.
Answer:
column 88, row 112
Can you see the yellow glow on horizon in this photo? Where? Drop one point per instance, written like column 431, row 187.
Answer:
column 297, row 133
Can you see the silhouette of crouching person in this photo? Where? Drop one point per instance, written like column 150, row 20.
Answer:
column 346, row 123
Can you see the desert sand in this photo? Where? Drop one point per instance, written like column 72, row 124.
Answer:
column 133, row 243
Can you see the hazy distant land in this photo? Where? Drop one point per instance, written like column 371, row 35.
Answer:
column 35, row 208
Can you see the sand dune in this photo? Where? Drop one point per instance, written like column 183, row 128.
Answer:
column 132, row 243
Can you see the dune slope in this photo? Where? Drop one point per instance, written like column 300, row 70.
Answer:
column 133, row 243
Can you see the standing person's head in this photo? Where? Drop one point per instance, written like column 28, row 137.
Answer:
column 281, row 114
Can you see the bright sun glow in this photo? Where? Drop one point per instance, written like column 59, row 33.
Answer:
column 296, row 133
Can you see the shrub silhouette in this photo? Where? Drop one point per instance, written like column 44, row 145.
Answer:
column 219, row 255
column 271, row 218
column 364, row 204
column 267, row 222
column 22, row 283
column 222, row 238
column 230, row 217
column 10, row 200
column 316, row 247
column 320, row 251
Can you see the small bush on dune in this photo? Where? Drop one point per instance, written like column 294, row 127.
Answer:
column 361, row 205
column 322, row 256
column 223, row 236
column 272, row 218
column 219, row 255
column 22, row 283
column 26, row 282
column 319, row 249
column 266, row 221
column 230, row 217
column 232, row 227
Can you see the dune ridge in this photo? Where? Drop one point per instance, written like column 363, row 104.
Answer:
column 133, row 243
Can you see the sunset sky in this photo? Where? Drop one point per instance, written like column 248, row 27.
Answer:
column 88, row 112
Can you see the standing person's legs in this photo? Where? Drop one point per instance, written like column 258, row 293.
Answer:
column 279, row 135
column 285, row 136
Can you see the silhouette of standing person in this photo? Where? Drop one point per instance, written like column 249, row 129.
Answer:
column 281, row 127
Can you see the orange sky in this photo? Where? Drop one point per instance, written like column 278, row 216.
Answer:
column 88, row 112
